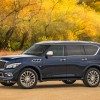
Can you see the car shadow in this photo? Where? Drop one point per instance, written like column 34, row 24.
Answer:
column 52, row 86
column 58, row 86
column 46, row 86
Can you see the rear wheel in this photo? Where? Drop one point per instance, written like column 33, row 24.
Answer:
column 69, row 81
column 27, row 79
column 92, row 78
column 8, row 83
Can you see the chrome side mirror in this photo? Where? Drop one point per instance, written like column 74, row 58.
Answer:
column 49, row 53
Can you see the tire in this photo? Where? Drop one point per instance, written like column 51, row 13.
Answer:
column 69, row 81
column 27, row 79
column 7, row 83
column 92, row 78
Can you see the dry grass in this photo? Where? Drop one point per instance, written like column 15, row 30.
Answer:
column 4, row 53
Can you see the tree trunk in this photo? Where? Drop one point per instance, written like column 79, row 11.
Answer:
column 7, row 37
column 23, row 40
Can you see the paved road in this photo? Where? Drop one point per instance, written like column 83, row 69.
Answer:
column 51, row 91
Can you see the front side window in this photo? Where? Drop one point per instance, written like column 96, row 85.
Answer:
column 74, row 50
column 37, row 50
column 90, row 50
column 57, row 50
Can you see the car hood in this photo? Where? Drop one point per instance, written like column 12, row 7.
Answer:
column 11, row 57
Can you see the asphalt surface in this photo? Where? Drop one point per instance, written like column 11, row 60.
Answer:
column 51, row 91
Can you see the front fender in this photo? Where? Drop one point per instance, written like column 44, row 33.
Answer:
column 20, row 68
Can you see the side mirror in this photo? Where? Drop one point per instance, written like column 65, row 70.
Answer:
column 49, row 53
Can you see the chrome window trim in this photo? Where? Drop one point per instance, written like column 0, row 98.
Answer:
column 88, row 55
column 82, row 55
column 97, row 50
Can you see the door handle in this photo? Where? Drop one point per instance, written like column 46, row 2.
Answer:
column 84, row 59
column 63, row 59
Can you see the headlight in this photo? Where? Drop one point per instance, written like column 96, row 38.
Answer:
column 14, row 65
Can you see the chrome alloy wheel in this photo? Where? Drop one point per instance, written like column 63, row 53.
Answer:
column 93, row 77
column 27, row 78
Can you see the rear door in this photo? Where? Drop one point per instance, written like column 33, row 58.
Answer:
column 76, row 60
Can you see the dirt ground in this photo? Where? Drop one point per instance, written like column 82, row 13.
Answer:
column 51, row 91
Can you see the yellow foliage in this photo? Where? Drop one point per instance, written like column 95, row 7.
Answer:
column 51, row 19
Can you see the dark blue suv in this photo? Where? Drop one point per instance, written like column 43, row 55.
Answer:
column 65, row 61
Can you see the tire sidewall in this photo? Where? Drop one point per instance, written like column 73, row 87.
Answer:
column 36, row 78
column 85, row 80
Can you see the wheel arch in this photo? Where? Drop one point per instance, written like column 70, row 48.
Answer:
column 91, row 66
column 37, row 70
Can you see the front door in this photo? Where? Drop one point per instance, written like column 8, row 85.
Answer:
column 55, row 66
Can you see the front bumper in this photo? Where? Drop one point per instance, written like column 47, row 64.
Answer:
column 2, row 79
column 5, row 76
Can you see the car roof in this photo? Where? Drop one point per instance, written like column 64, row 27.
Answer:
column 68, row 42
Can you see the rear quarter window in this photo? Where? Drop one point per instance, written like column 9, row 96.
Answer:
column 90, row 49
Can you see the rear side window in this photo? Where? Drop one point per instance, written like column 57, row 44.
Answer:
column 74, row 50
column 90, row 50
column 57, row 50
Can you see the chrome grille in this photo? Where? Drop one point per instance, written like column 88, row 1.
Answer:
column 2, row 64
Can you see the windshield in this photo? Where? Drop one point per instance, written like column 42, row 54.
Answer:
column 37, row 50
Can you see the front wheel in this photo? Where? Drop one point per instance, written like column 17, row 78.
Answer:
column 69, row 81
column 92, row 78
column 27, row 79
column 8, row 83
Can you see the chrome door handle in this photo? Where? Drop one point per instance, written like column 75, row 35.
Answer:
column 63, row 59
column 84, row 59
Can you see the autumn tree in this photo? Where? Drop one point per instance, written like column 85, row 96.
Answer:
column 24, row 22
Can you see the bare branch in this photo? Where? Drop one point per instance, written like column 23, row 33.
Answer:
column 49, row 20
column 17, row 10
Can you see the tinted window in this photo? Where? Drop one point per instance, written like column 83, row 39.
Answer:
column 57, row 50
column 37, row 50
column 90, row 50
column 99, row 52
column 74, row 50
